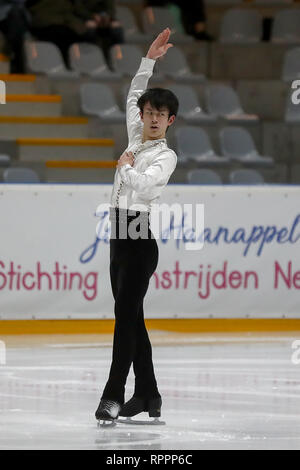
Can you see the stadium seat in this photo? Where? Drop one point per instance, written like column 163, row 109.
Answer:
column 89, row 59
column 159, row 19
column 5, row 160
column 45, row 57
column 174, row 66
column 203, row 176
column 194, row 144
column 241, row 26
column 223, row 101
column 126, row 59
column 237, row 144
column 189, row 107
column 98, row 100
column 286, row 26
column 246, row 176
column 20, row 175
column 131, row 30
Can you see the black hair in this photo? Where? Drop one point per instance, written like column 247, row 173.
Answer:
column 159, row 98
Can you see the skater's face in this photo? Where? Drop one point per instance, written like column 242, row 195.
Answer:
column 156, row 122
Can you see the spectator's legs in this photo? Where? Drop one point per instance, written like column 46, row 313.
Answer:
column 60, row 35
column 14, row 28
column 108, row 37
column 194, row 18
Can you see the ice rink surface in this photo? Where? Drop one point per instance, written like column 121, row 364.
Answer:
column 219, row 392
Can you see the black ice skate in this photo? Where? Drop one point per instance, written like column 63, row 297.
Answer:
column 107, row 412
column 137, row 405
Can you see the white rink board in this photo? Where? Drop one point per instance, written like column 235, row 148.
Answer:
column 48, row 232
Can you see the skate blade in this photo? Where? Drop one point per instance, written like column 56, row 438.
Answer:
column 105, row 423
column 154, row 422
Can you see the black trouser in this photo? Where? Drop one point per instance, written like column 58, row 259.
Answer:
column 132, row 263
column 14, row 27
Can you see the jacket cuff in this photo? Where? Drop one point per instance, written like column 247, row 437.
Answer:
column 123, row 168
column 147, row 64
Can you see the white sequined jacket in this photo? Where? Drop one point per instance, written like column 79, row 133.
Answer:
column 139, row 186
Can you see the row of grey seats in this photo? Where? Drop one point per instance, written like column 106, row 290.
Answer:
column 238, row 25
column 236, row 144
column 197, row 176
column 240, row 176
column 88, row 59
column 193, row 145
column 193, row 142
column 221, row 100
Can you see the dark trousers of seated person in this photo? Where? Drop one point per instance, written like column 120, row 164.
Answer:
column 64, row 37
column 14, row 27
column 132, row 263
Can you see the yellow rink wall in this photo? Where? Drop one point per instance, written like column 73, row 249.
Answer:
column 226, row 325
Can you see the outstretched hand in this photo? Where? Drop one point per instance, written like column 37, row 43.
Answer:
column 160, row 45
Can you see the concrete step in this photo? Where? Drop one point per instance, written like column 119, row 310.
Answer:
column 15, row 127
column 80, row 173
column 4, row 64
column 17, row 84
column 31, row 105
column 41, row 150
column 81, row 164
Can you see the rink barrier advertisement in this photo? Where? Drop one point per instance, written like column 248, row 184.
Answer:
column 53, row 265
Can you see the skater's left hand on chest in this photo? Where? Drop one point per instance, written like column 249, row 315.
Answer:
column 126, row 157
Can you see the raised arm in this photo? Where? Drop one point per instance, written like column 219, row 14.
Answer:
column 140, row 81
column 137, row 88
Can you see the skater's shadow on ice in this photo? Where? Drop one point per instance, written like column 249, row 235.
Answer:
column 111, row 437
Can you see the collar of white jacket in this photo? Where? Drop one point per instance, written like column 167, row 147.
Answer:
column 150, row 142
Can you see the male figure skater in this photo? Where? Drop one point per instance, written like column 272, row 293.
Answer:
column 142, row 172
